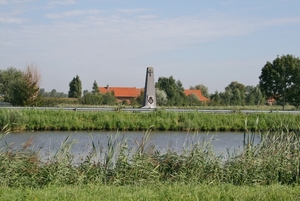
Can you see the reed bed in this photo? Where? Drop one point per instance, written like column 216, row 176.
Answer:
column 274, row 161
column 33, row 119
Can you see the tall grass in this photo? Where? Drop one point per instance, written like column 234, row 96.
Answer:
column 32, row 119
column 153, row 192
column 275, row 160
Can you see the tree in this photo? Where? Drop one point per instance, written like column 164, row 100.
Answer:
column 254, row 96
column 161, row 97
column 226, row 96
column 193, row 100
column 140, row 98
column 53, row 93
column 20, row 88
column 280, row 79
column 215, row 99
column 95, row 89
column 91, row 99
column 42, row 92
column 235, row 94
column 75, row 88
column 85, row 91
column 8, row 79
column 173, row 89
column 202, row 88
column 109, row 98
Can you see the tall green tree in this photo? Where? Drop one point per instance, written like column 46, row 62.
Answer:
column 20, row 88
column 215, row 99
column 280, row 79
column 236, row 85
column 75, row 88
column 173, row 89
column 93, row 98
column 254, row 96
column 238, row 97
column 95, row 89
column 235, row 94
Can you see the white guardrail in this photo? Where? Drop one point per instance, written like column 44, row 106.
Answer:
column 151, row 109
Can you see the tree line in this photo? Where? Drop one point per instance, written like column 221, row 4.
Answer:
column 279, row 81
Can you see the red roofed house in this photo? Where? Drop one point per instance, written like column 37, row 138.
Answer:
column 197, row 92
column 127, row 93
column 122, row 93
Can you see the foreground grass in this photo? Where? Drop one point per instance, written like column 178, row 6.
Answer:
column 33, row 119
column 153, row 192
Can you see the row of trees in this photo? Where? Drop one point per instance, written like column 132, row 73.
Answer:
column 238, row 94
column 170, row 92
column 279, row 80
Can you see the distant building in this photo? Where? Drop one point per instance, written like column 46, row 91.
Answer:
column 122, row 93
column 128, row 93
column 197, row 92
column 270, row 101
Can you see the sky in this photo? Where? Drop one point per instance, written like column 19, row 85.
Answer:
column 113, row 42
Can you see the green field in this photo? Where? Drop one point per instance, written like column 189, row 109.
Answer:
column 34, row 119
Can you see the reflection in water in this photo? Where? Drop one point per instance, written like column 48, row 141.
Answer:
column 47, row 143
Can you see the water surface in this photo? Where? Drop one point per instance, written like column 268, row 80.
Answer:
column 48, row 143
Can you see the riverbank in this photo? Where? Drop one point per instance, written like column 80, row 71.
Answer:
column 275, row 160
column 61, row 120
column 267, row 171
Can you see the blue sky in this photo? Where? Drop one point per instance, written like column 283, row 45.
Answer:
column 114, row 41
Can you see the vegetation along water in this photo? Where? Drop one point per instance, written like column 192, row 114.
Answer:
column 269, row 167
column 266, row 171
column 34, row 119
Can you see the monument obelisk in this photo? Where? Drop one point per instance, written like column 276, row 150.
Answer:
column 149, row 93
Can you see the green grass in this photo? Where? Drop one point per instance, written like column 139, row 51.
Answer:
column 33, row 119
column 153, row 192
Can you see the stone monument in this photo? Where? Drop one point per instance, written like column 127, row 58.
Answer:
column 149, row 93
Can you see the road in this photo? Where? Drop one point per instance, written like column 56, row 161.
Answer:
column 151, row 109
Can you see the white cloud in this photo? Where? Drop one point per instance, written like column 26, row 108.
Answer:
column 4, row 2
column 73, row 13
column 61, row 2
column 148, row 17
column 132, row 11
column 11, row 20
column 11, row 17
column 95, row 46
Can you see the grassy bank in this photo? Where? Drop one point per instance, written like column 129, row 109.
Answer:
column 33, row 119
column 154, row 192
